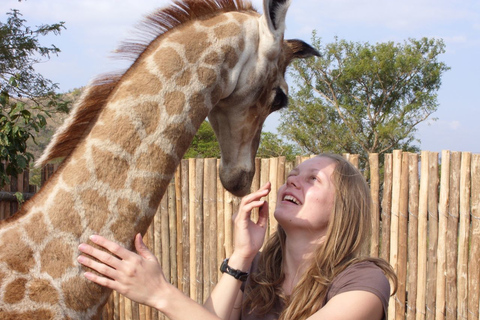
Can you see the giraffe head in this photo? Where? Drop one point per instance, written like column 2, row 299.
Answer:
column 213, row 57
column 257, row 89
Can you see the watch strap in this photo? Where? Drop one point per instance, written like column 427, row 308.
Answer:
column 237, row 274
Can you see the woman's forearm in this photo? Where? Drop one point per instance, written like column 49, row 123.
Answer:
column 177, row 306
column 225, row 299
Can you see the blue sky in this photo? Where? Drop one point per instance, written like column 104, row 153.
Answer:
column 96, row 27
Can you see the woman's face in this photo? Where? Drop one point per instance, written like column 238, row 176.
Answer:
column 305, row 201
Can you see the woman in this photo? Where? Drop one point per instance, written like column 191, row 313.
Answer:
column 309, row 269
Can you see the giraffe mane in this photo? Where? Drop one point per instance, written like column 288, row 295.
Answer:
column 86, row 111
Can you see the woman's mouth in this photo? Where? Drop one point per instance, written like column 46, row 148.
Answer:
column 291, row 199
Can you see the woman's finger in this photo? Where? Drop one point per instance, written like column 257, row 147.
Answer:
column 102, row 256
column 263, row 215
column 142, row 248
column 102, row 281
column 262, row 192
column 111, row 246
column 99, row 267
column 245, row 211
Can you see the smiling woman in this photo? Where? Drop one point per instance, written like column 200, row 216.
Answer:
column 310, row 268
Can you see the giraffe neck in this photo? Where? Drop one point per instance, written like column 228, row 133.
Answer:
column 113, row 181
column 117, row 175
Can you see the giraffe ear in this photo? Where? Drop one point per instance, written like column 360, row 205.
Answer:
column 301, row 50
column 275, row 12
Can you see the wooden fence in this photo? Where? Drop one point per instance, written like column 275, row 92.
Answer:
column 426, row 224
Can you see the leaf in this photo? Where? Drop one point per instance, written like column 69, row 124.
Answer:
column 21, row 162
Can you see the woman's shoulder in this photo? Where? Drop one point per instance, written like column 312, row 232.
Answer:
column 364, row 276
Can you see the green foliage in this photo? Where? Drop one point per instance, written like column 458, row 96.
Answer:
column 204, row 144
column 26, row 97
column 271, row 146
column 361, row 98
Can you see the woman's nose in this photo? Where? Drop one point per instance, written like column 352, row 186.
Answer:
column 292, row 181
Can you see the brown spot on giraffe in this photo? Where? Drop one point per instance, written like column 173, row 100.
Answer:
column 174, row 102
column 126, row 213
column 155, row 199
column 197, row 104
column 184, row 78
column 56, row 258
column 116, row 177
column 207, row 76
column 70, row 174
column 145, row 81
column 227, row 30
column 216, row 93
column 126, row 134
column 37, row 226
column 15, row 290
column 212, row 58
column 40, row 290
column 144, row 185
column 65, row 217
column 89, row 290
column 231, row 56
column 95, row 203
column 172, row 129
column 39, row 314
column 169, row 62
column 157, row 160
column 194, row 43
column 149, row 115
column 15, row 253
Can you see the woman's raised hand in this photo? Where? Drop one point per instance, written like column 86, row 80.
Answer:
column 137, row 276
column 249, row 235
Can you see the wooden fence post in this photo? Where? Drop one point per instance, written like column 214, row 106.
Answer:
column 412, row 236
column 442, row 235
column 386, row 207
column 474, row 259
column 375, row 194
column 463, row 239
column 422, row 238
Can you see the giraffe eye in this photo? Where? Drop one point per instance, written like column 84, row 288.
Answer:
column 280, row 101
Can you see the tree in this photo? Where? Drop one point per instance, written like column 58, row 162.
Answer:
column 204, row 144
column 360, row 98
column 271, row 145
column 26, row 97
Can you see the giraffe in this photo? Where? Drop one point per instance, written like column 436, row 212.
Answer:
column 124, row 139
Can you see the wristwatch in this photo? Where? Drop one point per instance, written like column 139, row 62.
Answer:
column 237, row 274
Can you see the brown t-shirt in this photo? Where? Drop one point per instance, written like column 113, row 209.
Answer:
column 363, row 276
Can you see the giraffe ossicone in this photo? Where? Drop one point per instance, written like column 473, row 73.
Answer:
column 126, row 136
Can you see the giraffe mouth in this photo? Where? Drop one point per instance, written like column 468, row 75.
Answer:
column 237, row 182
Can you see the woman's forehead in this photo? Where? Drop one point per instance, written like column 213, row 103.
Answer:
column 315, row 164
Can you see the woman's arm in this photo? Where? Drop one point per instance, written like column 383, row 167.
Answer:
column 351, row 305
column 140, row 278
column 226, row 297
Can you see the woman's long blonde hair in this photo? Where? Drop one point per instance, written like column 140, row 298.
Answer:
column 349, row 228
